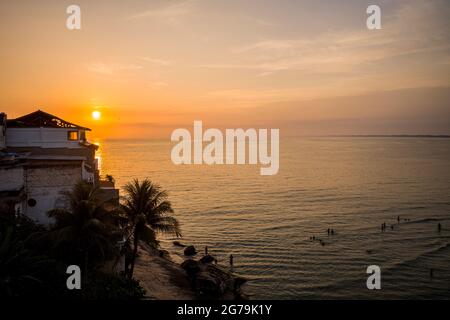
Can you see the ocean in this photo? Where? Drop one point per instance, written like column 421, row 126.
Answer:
column 349, row 184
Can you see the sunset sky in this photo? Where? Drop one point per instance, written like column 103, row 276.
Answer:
column 306, row 67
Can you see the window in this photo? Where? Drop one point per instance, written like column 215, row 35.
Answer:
column 72, row 135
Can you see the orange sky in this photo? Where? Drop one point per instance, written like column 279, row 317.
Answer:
column 306, row 67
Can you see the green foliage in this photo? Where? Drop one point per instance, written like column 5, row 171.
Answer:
column 86, row 234
column 147, row 209
column 33, row 259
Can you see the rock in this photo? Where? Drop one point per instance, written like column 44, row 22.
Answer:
column 207, row 259
column 191, row 267
column 207, row 286
column 240, row 296
column 210, row 281
column 239, row 281
column 178, row 244
column 190, row 251
column 163, row 253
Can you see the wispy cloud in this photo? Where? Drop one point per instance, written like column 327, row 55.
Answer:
column 412, row 50
column 157, row 84
column 411, row 30
column 159, row 62
column 109, row 69
column 170, row 12
column 258, row 21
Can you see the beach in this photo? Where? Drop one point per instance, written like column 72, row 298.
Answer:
column 195, row 278
column 161, row 278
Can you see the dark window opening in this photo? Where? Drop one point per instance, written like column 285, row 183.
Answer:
column 32, row 202
column 83, row 135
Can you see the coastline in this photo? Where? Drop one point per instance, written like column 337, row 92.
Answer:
column 161, row 278
column 164, row 279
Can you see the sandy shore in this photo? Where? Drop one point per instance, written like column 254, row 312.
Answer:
column 161, row 278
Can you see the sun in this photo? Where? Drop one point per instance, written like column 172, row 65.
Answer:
column 96, row 115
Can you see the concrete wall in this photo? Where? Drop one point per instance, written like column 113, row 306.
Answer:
column 40, row 137
column 45, row 184
column 2, row 137
column 11, row 178
column 2, row 130
column 87, row 175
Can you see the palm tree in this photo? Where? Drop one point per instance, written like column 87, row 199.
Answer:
column 87, row 231
column 147, row 208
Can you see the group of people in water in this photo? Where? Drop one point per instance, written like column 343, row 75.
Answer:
column 330, row 232
column 383, row 228
column 383, row 225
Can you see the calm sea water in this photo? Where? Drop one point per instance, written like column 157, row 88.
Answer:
column 352, row 185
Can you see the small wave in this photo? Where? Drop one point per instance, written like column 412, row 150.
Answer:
column 424, row 220
column 420, row 256
column 278, row 227
column 344, row 284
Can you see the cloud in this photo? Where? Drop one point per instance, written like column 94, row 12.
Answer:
column 109, row 69
column 169, row 13
column 412, row 50
column 416, row 27
column 159, row 62
column 157, row 84
column 258, row 21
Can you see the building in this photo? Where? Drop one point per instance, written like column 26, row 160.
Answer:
column 42, row 156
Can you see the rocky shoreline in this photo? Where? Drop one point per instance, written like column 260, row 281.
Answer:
column 164, row 279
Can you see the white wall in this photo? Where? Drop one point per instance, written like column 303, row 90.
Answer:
column 45, row 184
column 40, row 137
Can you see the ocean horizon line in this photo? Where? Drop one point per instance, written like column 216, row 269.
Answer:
column 441, row 136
